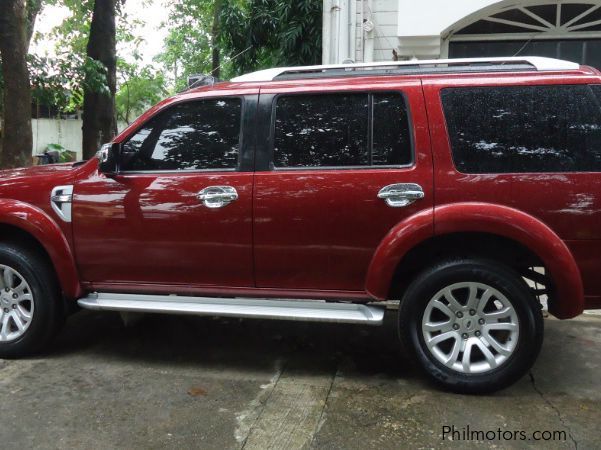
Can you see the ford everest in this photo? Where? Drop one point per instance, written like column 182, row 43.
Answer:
column 469, row 190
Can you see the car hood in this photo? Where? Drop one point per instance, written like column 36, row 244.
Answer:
column 49, row 170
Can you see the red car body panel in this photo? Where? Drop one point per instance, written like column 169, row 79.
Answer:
column 310, row 233
column 527, row 230
column 396, row 244
column 45, row 230
column 151, row 228
column 318, row 228
column 568, row 203
column 25, row 204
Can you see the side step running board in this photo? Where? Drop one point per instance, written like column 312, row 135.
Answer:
column 307, row 310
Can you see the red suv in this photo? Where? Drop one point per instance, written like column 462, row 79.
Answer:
column 470, row 190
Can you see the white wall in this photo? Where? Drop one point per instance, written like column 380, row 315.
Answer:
column 58, row 131
column 54, row 131
column 414, row 28
column 433, row 17
column 345, row 38
column 384, row 15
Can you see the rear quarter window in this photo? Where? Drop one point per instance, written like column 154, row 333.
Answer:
column 516, row 129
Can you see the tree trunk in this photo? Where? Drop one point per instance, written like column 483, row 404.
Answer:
column 99, row 124
column 215, row 30
column 33, row 9
column 17, row 140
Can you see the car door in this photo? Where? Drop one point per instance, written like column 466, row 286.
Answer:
column 177, row 217
column 328, row 178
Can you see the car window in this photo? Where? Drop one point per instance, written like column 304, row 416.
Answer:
column 321, row 130
column 597, row 90
column 336, row 130
column 524, row 128
column 194, row 135
column 391, row 136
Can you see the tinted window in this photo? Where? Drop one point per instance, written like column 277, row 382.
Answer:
column 524, row 128
column 190, row 136
column 597, row 91
column 334, row 130
column 321, row 130
column 391, row 137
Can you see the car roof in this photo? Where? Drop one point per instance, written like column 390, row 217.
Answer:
column 416, row 67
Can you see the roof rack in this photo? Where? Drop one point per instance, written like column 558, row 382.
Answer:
column 509, row 64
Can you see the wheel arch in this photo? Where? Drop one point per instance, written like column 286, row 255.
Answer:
column 468, row 226
column 26, row 224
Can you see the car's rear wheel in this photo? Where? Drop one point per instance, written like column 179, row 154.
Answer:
column 474, row 325
column 30, row 312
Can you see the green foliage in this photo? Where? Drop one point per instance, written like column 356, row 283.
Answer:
column 139, row 89
column 187, row 48
column 71, row 36
column 272, row 33
column 253, row 34
column 60, row 82
column 64, row 155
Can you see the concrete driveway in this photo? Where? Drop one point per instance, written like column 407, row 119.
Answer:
column 187, row 382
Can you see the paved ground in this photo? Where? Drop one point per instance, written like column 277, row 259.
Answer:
column 183, row 382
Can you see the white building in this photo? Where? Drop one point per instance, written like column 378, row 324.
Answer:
column 382, row 30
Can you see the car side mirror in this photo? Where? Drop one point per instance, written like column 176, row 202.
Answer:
column 108, row 157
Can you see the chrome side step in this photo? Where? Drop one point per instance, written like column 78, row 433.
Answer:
column 306, row 310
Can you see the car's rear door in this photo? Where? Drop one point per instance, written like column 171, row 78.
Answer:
column 178, row 215
column 332, row 148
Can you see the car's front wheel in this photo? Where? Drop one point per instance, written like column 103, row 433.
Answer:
column 474, row 325
column 30, row 312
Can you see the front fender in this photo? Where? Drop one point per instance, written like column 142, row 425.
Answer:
column 44, row 229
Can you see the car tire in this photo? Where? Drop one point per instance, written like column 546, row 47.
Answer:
column 494, row 329
column 30, row 301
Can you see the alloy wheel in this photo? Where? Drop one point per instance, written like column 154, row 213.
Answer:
column 470, row 327
column 16, row 304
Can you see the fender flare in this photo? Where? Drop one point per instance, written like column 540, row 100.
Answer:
column 400, row 239
column 492, row 219
column 45, row 230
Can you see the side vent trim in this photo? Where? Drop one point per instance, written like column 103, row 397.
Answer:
column 61, row 200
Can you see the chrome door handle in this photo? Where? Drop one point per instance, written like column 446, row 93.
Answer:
column 401, row 194
column 217, row 196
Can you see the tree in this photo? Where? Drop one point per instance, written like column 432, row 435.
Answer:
column 139, row 89
column 99, row 124
column 189, row 45
column 17, row 139
column 229, row 38
column 215, row 38
column 33, row 9
column 267, row 33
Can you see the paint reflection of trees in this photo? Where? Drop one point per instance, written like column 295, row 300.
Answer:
column 195, row 135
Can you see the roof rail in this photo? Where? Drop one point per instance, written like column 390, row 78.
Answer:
column 528, row 63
